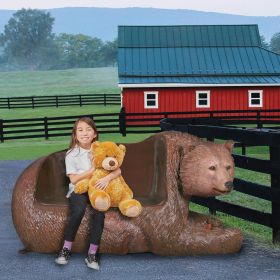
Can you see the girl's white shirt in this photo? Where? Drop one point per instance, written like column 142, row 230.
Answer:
column 77, row 161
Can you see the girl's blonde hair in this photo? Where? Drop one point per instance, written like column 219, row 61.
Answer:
column 87, row 120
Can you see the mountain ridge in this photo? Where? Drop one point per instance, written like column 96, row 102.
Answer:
column 103, row 22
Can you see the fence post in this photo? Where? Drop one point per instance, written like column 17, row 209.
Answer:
column 46, row 128
column 105, row 101
column 122, row 122
column 259, row 124
column 9, row 105
column 275, row 183
column 1, row 131
column 243, row 146
column 56, row 101
column 32, row 100
column 243, row 149
column 80, row 98
column 211, row 207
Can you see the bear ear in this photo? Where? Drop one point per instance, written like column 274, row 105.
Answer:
column 229, row 145
column 95, row 144
column 122, row 147
column 191, row 148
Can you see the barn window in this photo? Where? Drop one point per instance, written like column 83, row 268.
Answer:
column 150, row 99
column 255, row 98
column 203, row 99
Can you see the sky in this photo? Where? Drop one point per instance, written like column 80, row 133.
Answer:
column 239, row 7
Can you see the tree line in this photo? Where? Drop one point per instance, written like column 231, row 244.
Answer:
column 28, row 43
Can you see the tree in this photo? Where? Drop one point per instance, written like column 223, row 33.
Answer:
column 275, row 43
column 79, row 50
column 109, row 53
column 264, row 44
column 28, row 37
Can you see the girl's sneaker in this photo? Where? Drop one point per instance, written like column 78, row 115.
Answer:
column 63, row 256
column 92, row 261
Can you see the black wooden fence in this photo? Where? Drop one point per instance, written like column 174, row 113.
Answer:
column 59, row 100
column 126, row 123
column 257, row 137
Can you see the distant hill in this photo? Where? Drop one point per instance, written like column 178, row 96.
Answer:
column 103, row 22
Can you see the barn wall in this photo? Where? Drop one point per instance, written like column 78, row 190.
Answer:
column 183, row 99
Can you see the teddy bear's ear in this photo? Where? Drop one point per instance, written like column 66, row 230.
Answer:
column 122, row 147
column 95, row 144
column 229, row 145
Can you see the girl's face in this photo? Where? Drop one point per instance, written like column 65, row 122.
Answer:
column 85, row 134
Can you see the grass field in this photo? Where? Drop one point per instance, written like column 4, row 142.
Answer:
column 103, row 80
column 57, row 112
column 59, row 82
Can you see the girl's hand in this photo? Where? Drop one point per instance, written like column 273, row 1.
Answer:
column 102, row 183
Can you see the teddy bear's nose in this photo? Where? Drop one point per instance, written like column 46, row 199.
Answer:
column 111, row 163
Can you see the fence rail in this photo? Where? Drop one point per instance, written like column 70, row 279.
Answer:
column 126, row 123
column 248, row 137
column 59, row 100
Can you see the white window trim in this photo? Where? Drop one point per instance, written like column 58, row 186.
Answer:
column 250, row 98
column 146, row 106
column 208, row 98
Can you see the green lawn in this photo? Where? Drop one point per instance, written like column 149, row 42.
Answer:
column 59, row 82
column 57, row 112
column 35, row 148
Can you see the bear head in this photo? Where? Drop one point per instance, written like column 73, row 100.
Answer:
column 108, row 155
column 207, row 169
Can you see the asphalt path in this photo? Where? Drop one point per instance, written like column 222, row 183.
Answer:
column 255, row 261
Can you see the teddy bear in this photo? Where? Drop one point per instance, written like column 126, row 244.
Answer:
column 108, row 156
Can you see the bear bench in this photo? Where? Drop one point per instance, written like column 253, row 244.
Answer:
column 154, row 169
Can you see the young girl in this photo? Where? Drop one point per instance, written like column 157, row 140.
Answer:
column 78, row 163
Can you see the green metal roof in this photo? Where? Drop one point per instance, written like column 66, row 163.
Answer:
column 189, row 36
column 146, row 55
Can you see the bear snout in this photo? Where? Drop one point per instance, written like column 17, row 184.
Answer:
column 110, row 164
column 229, row 185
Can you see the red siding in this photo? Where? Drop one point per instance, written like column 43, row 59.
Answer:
column 184, row 99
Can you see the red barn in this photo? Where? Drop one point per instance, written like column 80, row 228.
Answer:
column 196, row 68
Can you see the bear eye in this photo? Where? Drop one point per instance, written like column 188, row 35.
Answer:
column 212, row 167
column 228, row 167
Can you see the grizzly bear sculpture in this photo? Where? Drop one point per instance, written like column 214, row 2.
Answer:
column 163, row 171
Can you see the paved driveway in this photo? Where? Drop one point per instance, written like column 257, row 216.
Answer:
column 255, row 261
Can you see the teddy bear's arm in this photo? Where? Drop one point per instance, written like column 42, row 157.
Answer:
column 81, row 186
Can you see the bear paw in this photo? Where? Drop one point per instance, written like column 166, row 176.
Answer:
column 102, row 203
column 132, row 212
column 99, row 199
column 130, row 208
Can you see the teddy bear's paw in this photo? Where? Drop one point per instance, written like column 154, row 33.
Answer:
column 130, row 208
column 133, row 212
column 102, row 203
